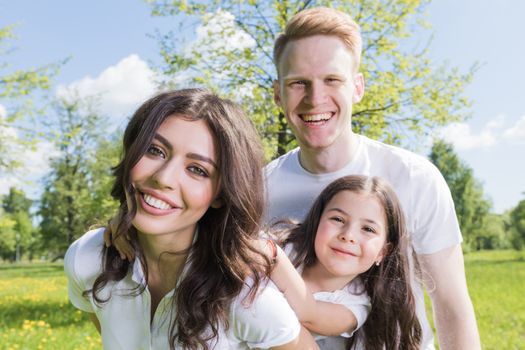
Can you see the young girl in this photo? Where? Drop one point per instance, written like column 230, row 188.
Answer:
column 190, row 189
column 351, row 245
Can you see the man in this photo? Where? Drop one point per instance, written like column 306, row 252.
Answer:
column 317, row 60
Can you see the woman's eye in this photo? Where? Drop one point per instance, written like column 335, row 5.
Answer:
column 198, row 171
column 155, row 151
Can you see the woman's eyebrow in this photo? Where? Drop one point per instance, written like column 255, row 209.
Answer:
column 200, row 157
column 195, row 156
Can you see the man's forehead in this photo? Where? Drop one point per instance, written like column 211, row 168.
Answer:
column 316, row 54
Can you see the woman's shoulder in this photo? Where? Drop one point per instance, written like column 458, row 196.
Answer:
column 83, row 258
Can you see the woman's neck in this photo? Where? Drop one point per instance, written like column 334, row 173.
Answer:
column 165, row 257
column 318, row 279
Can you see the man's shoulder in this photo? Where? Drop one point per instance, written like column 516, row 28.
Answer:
column 286, row 160
column 396, row 158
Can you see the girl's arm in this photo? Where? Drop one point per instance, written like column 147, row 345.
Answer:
column 320, row 317
column 304, row 341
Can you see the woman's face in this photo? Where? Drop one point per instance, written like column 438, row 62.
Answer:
column 177, row 179
column 351, row 234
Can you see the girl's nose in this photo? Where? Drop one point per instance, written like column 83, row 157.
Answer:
column 347, row 237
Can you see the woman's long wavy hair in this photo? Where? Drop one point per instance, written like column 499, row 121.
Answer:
column 392, row 322
column 221, row 256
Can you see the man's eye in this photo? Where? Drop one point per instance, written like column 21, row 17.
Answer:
column 155, row 151
column 198, row 171
column 298, row 83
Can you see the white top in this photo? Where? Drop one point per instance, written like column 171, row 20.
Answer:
column 353, row 296
column 422, row 191
column 125, row 319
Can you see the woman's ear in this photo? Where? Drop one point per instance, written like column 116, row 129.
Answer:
column 217, row 203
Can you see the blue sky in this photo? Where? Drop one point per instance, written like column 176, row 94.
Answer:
column 110, row 54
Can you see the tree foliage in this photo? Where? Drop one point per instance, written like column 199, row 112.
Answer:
column 407, row 94
column 70, row 203
column 472, row 208
column 16, row 86
column 517, row 225
column 17, row 235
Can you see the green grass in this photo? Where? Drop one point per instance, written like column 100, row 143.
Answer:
column 35, row 312
column 496, row 282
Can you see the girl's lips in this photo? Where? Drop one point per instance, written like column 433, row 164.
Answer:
column 344, row 252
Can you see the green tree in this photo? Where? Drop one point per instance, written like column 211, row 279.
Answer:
column 407, row 94
column 472, row 207
column 517, row 225
column 67, row 199
column 19, row 232
column 15, row 89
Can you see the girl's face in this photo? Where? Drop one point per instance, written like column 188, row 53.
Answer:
column 177, row 179
column 351, row 234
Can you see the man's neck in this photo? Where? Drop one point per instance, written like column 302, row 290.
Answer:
column 329, row 159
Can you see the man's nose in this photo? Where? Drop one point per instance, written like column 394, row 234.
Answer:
column 315, row 94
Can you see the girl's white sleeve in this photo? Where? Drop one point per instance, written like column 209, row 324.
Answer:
column 354, row 298
column 269, row 321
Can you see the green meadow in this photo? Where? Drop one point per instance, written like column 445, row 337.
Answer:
column 35, row 312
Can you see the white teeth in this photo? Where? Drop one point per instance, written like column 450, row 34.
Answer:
column 316, row 117
column 156, row 203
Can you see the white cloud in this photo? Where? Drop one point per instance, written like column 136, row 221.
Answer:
column 494, row 132
column 516, row 133
column 464, row 138
column 121, row 88
column 219, row 32
column 3, row 112
column 35, row 166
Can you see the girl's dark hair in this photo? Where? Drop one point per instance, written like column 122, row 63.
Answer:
column 221, row 256
column 392, row 322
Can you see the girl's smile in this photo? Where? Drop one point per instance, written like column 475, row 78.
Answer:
column 351, row 234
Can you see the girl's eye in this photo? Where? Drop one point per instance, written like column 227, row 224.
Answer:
column 337, row 219
column 369, row 229
column 155, row 151
column 198, row 171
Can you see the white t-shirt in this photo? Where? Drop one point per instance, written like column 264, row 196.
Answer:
column 422, row 191
column 125, row 319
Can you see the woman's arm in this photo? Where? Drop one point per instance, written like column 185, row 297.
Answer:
column 320, row 317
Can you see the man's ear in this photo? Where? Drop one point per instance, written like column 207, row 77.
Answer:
column 359, row 88
column 217, row 203
column 277, row 93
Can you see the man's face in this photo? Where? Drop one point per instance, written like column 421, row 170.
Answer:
column 316, row 89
